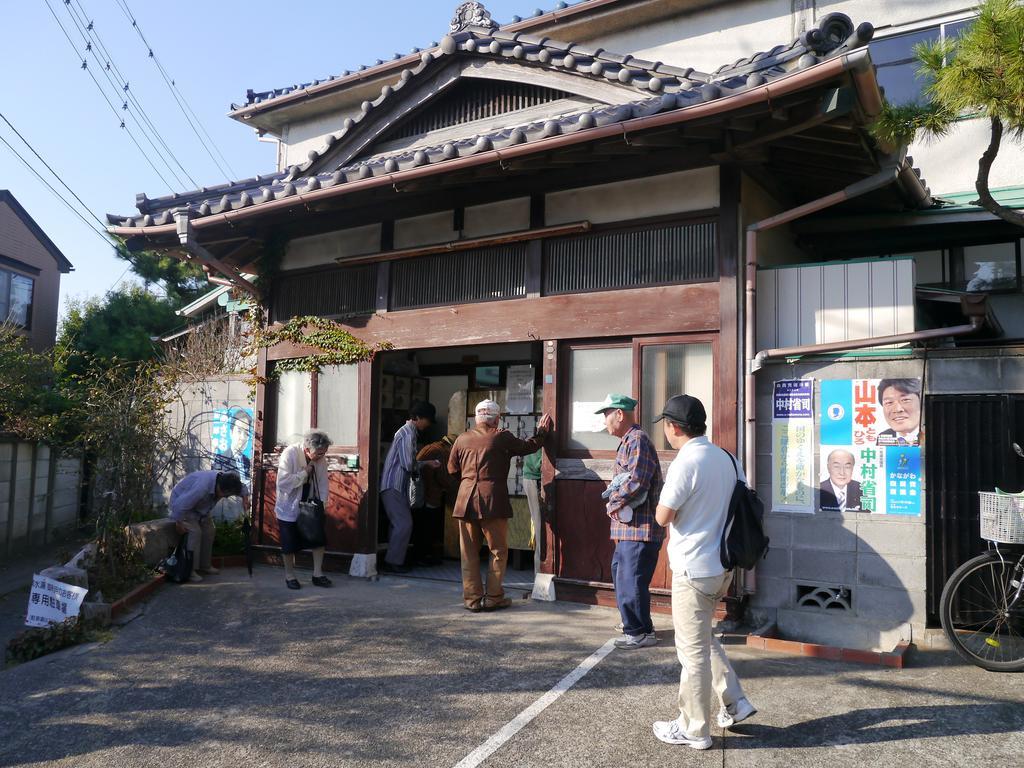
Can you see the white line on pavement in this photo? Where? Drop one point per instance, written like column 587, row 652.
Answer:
column 520, row 721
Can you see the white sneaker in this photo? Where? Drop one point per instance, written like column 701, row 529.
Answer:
column 211, row 571
column 619, row 627
column 735, row 713
column 195, row 577
column 671, row 732
column 628, row 642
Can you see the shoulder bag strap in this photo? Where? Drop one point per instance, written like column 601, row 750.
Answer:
column 735, row 466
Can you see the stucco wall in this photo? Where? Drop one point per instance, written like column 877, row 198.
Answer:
column 678, row 192
column 324, row 249
column 18, row 242
column 305, row 135
column 27, row 523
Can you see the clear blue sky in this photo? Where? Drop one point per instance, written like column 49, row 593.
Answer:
column 214, row 50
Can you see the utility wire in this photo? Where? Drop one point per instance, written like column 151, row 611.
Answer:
column 59, row 196
column 117, row 91
column 89, row 33
column 179, row 97
column 104, row 95
column 55, row 174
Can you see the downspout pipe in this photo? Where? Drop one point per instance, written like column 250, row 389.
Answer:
column 977, row 322
column 887, row 175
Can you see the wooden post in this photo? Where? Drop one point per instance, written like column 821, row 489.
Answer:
column 9, row 536
column 550, row 561
column 32, row 494
column 51, row 481
column 257, row 496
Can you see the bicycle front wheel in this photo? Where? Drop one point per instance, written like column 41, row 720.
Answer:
column 978, row 616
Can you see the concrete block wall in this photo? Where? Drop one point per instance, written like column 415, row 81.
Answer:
column 879, row 559
column 25, row 523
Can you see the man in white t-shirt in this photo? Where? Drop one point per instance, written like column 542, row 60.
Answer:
column 693, row 506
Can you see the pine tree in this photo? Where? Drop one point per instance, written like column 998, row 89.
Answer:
column 981, row 74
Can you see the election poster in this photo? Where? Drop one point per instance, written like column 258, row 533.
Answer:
column 52, row 601
column 869, row 446
column 793, row 446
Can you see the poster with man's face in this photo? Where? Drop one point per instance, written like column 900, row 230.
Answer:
column 870, row 434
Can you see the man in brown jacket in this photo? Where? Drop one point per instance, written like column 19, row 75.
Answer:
column 481, row 457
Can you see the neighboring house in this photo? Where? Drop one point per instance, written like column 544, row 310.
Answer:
column 30, row 270
column 650, row 196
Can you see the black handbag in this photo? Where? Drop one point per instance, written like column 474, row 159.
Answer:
column 177, row 566
column 310, row 522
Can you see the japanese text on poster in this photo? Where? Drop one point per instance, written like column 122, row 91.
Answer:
column 870, row 430
column 52, row 601
column 792, row 445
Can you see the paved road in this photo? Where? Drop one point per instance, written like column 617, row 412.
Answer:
column 239, row 672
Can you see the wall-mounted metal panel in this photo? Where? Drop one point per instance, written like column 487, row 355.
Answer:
column 819, row 303
column 330, row 293
column 679, row 253
column 485, row 274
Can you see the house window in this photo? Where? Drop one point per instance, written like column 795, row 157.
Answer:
column 294, row 406
column 992, row 267
column 594, row 372
column 16, row 298
column 656, row 368
column 672, row 369
column 897, row 65
column 337, row 403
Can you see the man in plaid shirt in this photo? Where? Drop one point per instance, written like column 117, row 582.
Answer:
column 632, row 499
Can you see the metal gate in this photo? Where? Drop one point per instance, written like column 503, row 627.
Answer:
column 969, row 449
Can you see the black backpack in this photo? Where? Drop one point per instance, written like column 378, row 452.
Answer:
column 743, row 540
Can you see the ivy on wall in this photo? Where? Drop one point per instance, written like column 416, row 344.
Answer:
column 335, row 345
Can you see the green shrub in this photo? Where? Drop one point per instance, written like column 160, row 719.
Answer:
column 39, row 641
column 230, row 540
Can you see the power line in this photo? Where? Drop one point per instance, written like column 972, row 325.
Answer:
column 50, row 169
column 89, row 33
column 59, row 196
column 104, row 95
column 179, row 97
column 116, row 89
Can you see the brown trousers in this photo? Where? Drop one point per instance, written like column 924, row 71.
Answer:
column 472, row 533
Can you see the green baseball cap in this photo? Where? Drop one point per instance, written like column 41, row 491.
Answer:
column 612, row 401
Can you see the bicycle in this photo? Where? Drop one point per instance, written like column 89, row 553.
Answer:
column 982, row 605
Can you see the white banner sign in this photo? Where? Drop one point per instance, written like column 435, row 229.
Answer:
column 52, row 601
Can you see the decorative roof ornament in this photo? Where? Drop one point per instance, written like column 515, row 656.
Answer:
column 472, row 15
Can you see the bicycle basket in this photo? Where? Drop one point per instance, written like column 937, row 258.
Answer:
column 1002, row 517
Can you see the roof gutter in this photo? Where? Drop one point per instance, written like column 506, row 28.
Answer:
column 889, row 174
column 776, row 89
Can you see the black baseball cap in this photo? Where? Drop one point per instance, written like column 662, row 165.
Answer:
column 684, row 409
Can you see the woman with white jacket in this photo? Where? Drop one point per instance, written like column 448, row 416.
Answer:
column 301, row 463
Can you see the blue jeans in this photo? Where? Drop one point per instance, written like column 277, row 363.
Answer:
column 633, row 567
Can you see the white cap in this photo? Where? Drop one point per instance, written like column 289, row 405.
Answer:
column 488, row 408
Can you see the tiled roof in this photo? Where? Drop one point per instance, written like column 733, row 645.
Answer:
column 261, row 97
column 656, row 87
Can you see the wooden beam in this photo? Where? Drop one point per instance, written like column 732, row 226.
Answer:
column 470, row 244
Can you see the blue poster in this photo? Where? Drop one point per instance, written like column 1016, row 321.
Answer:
column 231, row 441
column 793, row 399
column 837, row 412
column 903, row 480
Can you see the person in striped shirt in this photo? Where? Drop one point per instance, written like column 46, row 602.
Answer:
column 394, row 483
